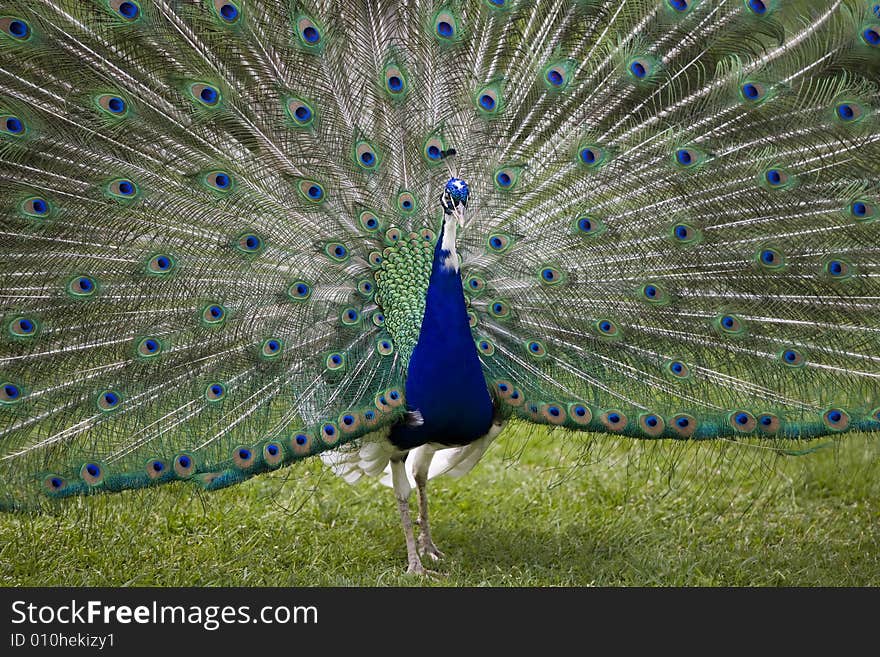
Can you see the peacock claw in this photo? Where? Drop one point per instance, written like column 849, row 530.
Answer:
column 427, row 548
column 416, row 568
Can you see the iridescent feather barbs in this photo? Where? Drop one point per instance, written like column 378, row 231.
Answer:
column 222, row 223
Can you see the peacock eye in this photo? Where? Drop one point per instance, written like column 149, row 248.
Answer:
column 128, row 10
column 229, row 12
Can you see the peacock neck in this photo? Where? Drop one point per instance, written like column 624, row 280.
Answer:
column 445, row 381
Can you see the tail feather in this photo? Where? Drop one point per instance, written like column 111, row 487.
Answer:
column 670, row 232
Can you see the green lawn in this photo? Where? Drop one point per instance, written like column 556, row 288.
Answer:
column 545, row 509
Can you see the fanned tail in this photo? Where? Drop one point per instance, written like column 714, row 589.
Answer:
column 218, row 218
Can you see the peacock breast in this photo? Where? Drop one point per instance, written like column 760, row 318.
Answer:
column 402, row 279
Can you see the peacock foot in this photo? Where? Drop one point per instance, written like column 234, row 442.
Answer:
column 416, row 568
column 428, row 549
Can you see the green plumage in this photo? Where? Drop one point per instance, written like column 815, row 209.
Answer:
column 218, row 223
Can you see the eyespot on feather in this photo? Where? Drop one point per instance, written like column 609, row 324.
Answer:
column 678, row 369
column 273, row 453
column 15, row 28
column 499, row 242
column 553, row 413
column 654, row 294
column 108, row 400
column 406, row 203
column 395, row 81
column 688, row 158
column 309, row 32
column 592, row 156
column 350, row 317
column 836, row 419
column 730, row 324
column 337, row 252
column 556, row 76
column 369, row 221
column 335, row 361
column 82, row 286
column 679, row 7
column 770, row 258
column 499, row 309
column 838, row 269
column 613, row 420
column 36, row 207
column 24, row 327
column 485, row 347
column 474, row 285
column 862, row 210
column 776, row 178
column 607, row 328
column 506, row 178
column 870, row 35
column 311, row 191
column 652, row 424
column 213, row 314
column 12, row 125
column 220, row 181
column 156, row 469
column 227, row 11
column 580, row 414
column 535, row 348
column 184, row 465
column 503, row 388
column 489, row 100
column 683, row 425
column 588, row 225
column 329, row 434
column 300, row 111
column 686, row 234
column 271, row 348
column 349, row 422
column 10, row 393
column 384, row 346
column 433, row 149
column 128, row 10
column 112, row 105
column 445, row 27
column 122, row 189
column 248, row 243
column 366, row 156
column 792, row 357
column 366, row 288
column 92, row 473
column 760, row 8
column 753, row 92
column 215, row 392
column 301, row 443
column 149, row 347
column 160, row 264
column 768, row 423
column 244, row 458
column 299, row 291
column 642, row 70
column 205, row 94
column 742, row 421
column 848, row 112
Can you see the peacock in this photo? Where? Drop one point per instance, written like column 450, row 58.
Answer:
column 237, row 234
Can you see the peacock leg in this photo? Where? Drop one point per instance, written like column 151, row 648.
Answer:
column 421, row 463
column 402, row 490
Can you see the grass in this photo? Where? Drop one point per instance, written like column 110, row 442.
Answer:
column 539, row 510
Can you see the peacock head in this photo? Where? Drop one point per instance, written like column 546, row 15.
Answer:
column 455, row 194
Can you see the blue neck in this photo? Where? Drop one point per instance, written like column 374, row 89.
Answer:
column 445, row 380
